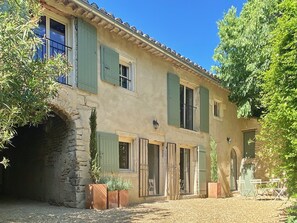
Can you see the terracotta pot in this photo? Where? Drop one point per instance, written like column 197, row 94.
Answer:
column 214, row 190
column 96, row 196
column 113, row 199
column 123, row 198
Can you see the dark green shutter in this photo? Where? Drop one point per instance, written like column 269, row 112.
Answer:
column 108, row 146
column 173, row 100
column 201, row 170
column 110, row 65
column 87, row 78
column 249, row 144
column 204, row 109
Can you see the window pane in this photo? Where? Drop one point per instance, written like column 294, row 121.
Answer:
column 124, row 155
column 153, row 165
column 124, row 76
column 189, row 108
column 40, row 32
column 57, row 37
column 216, row 109
column 184, row 170
column 182, row 107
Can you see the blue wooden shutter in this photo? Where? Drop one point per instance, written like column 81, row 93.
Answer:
column 87, row 77
column 108, row 146
column 204, row 109
column 110, row 71
column 173, row 100
column 201, row 170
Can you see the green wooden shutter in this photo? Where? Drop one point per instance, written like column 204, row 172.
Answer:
column 204, row 109
column 249, row 144
column 87, row 77
column 110, row 71
column 173, row 100
column 108, row 146
column 201, row 170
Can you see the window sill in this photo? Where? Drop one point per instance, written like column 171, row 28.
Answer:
column 126, row 171
column 217, row 118
column 194, row 132
column 127, row 91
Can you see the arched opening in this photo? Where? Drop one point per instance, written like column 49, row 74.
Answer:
column 233, row 171
column 41, row 162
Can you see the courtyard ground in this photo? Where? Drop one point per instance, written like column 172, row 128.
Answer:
column 235, row 209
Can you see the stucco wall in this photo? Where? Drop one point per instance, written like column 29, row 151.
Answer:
column 130, row 114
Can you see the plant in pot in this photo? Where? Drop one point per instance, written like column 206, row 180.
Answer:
column 96, row 193
column 214, row 187
column 112, row 190
column 123, row 186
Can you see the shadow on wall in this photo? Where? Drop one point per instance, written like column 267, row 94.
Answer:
column 225, row 184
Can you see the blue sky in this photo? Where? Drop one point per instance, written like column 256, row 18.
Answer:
column 189, row 27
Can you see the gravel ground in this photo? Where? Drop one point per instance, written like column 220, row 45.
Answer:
column 235, row 209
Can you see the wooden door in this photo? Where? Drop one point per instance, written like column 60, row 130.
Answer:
column 173, row 172
column 143, row 167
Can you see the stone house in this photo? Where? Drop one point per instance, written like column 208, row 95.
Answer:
column 156, row 112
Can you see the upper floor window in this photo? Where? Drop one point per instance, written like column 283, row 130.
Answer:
column 117, row 69
column 126, row 75
column 186, row 107
column 53, row 34
column 217, row 109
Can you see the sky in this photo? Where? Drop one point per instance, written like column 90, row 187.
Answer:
column 189, row 27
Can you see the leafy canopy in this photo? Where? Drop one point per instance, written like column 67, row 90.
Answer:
column 244, row 52
column 26, row 85
column 279, row 123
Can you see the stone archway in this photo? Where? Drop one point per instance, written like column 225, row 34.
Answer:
column 43, row 162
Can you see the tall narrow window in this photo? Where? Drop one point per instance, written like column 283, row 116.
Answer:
column 184, row 171
column 153, row 169
column 124, row 153
column 186, row 107
column 216, row 109
column 53, row 35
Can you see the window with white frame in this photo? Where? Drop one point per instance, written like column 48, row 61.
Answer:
column 126, row 75
column 53, row 33
column 124, row 155
column 186, row 107
column 217, row 109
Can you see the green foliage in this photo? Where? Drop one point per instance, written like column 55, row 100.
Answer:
column 213, row 160
column 244, row 52
column 292, row 213
column 26, row 85
column 279, row 124
column 94, row 162
column 115, row 183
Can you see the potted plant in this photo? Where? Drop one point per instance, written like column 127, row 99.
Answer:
column 214, row 187
column 112, row 190
column 96, row 193
column 123, row 187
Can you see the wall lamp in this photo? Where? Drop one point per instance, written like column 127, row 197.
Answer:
column 229, row 140
column 155, row 124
